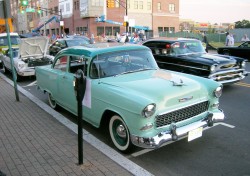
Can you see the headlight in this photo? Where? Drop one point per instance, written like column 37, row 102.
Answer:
column 212, row 68
column 149, row 110
column 218, row 92
column 243, row 64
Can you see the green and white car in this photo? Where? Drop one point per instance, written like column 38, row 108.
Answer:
column 139, row 103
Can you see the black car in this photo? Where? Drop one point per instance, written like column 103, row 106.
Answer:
column 60, row 44
column 189, row 56
column 243, row 50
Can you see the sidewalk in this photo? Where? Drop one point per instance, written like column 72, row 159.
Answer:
column 33, row 142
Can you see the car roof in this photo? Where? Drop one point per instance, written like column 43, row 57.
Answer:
column 171, row 39
column 11, row 34
column 91, row 50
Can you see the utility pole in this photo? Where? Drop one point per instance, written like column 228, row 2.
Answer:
column 5, row 14
column 126, row 13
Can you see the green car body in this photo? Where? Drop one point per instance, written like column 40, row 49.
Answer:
column 143, row 105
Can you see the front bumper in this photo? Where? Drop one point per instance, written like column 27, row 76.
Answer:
column 229, row 76
column 26, row 72
column 176, row 133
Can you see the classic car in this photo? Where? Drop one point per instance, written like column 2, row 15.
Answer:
column 31, row 53
column 189, row 56
column 60, row 44
column 243, row 50
column 126, row 92
column 14, row 39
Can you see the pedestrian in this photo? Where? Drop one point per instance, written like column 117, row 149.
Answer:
column 227, row 39
column 92, row 39
column 126, row 39
column 141, row 36
column 245, row 38
column 230, row 40
column 205, row 40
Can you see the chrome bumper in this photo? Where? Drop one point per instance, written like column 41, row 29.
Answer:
column 176, row 133
column 229, row 76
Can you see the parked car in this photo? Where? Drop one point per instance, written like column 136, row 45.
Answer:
column 60, row 44
column 243, row 50
column 189, row 56
column 139, row 103
column 31, row 53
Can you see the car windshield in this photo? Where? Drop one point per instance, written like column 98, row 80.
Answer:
column 15, row 40
column 186, row 47
column 76, row 42
column 122, row 62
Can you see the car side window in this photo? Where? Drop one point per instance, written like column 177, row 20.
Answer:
column 61, row 63
column 76, row 63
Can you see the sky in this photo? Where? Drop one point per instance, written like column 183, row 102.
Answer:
column 215, row 11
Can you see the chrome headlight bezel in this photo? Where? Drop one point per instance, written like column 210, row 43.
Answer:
column 243, row 64
column 20, row 65
column 218, row 92
column 212, row 68
column 149, row 110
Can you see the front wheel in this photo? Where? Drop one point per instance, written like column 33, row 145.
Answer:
column 119, row 133
column 52, row 101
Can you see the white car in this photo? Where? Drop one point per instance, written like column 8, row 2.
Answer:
column 31, row 53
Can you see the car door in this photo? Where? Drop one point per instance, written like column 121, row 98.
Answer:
column 64, row 93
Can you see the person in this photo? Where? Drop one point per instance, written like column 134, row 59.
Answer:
column 227, row 39
column 205, row 41
column 141, row 36
column 230, row 40
column 245, row 38
column 127, row 39
column 92, row 39
column 118, row 37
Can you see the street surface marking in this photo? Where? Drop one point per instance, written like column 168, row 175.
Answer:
column 242, row 84
column 141, row 152
column 31, row 84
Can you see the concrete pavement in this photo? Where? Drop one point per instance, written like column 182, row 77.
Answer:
column 36, row 140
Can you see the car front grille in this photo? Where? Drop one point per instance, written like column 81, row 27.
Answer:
column 181, row 114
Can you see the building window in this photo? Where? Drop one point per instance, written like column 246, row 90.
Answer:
column 136, row 5
column 67, row 7
column 166, row 29
column 140, row 4
column 97, row 2
column 100, row 31
column 56, row 9
column 172, row 30
column 158, row 6
column 116, row 30
column 117, row 3
column 108, row 31
column 171, row 8
column 160, row 29
column 149, row 5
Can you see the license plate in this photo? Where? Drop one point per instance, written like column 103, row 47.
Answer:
column 196, row 133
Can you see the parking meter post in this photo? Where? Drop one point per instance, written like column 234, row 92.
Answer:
column 80, row 87
column 10, row 50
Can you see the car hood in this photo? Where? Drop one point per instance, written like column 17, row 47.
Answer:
column 162, row 87
column 35, row 47
column 209, row 59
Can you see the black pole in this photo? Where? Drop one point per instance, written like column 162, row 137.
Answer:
column 14, row 76
column 80, row 87
column 126, row 13
column 80, row 141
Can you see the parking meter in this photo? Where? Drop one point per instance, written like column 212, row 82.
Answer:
column 80, row 87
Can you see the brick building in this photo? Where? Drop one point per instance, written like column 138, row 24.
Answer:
column 79, row 16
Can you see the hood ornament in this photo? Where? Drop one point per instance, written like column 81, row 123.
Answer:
column 185, row 99
column 178, row 83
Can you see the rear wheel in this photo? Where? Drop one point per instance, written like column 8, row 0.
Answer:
column 52, row 101
column 119, row 133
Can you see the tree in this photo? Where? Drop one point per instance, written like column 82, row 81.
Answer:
column 242, row 24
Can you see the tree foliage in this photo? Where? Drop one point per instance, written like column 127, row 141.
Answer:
column 242, row 24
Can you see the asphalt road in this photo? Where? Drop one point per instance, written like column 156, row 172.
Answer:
column 223, row 150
